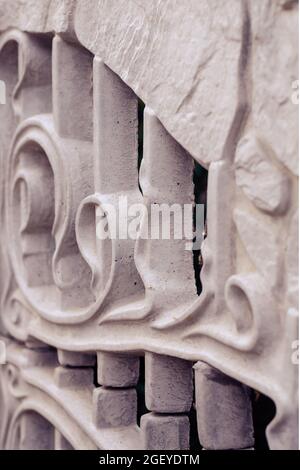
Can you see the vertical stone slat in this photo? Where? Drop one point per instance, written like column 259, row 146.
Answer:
column 115, row 132
column 115, row 401
column 224, row 411
column 169, row 393
column 72, row 90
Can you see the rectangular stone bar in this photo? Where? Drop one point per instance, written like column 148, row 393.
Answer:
column 165, row 432
column 115, row 132
column 70, row 377
column 167, row 184
column 113, row 408
column 166, row 164
column 117, row 370
column 224, row 411
column 72, row 90
column 35, row 74
column 75, row 359
column 168, row 384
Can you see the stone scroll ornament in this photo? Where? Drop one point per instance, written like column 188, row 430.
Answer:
column 218, row 89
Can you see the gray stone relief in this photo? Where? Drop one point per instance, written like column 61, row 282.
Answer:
column 88, row 324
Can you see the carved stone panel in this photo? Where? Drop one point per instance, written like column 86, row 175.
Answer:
column 116, row 341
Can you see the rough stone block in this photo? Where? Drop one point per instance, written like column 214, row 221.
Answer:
column 168, row 384
column 117, row 370
column 73, row 377
column 70, row 358
column 224, row 411
column 113, row 408
column 165, row 432
column 72, row 82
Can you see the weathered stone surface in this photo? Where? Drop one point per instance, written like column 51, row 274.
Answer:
column 219, row 83
column 43, row 16
column 117, row 370
column 274, row 71
column 224, row 410
column 114, row 407
column 187, row 83
column 261, row 244
column 263, row 183
column 191, row 84
column 70, row 358
column 73, row 377
column 168, row 384
column 165, row 432
column 72, row 72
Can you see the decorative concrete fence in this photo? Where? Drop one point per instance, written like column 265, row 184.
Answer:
column 124, row 343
